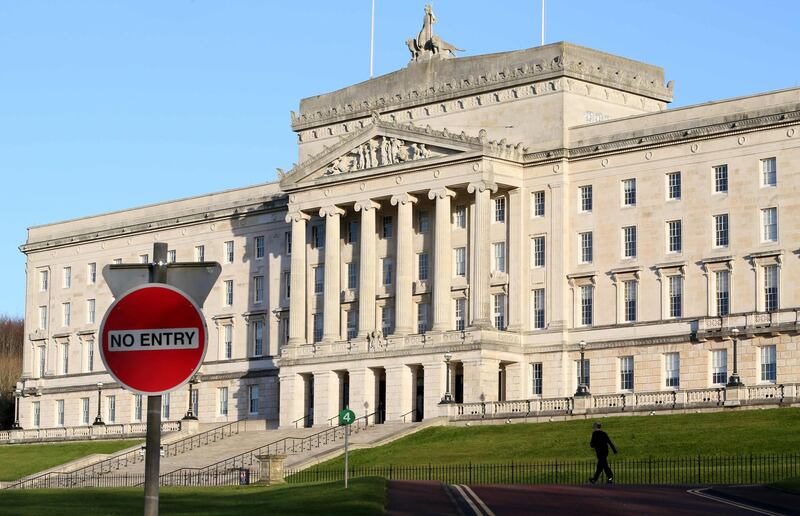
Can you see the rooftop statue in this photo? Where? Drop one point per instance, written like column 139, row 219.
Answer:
column 428, row 45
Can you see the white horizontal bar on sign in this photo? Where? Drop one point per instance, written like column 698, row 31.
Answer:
column 159, row 339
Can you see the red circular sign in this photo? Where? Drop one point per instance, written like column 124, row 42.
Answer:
column 153, row 339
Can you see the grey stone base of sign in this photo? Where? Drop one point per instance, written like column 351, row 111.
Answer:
column 271, row 469
column 734, row 395
column 581, row 404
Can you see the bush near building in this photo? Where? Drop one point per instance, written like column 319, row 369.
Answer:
column 11, row 340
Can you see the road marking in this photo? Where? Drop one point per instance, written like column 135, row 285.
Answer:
column 701, row 493
column 480, row 502
column 467, row 499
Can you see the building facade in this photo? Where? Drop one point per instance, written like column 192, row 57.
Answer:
column 480, row 215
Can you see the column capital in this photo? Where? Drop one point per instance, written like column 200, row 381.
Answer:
column 515, row 191
column 440, row 193
column 330, row 211
column 482, row 186
column 366, row 205
column 403, row 198
column 296, row 216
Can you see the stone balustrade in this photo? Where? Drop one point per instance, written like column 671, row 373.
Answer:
column 78, row 433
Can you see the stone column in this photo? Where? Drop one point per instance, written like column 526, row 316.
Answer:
column 398, row 392
column 291, row 398
column 558, row 251
column 435, row 375
column 489, row 378
column 366, row 267
column 442, row 263
column 326, row 396
column 473, row 390
column 297, row 300
column 480, row 278
column 404, row 316
column 332, row 293
column 517, row 277
column 362, row 391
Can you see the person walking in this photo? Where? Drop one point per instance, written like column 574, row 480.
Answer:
column 600, row 443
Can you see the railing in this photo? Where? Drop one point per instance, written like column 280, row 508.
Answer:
column 307, row 421
column 766, row 392
column 697, row 470
column 184, row 479
column 204, row 438
column 414, row 416
column 75, row 433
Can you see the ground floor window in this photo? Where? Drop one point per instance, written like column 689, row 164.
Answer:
column 626, row 373
column 252, row 395
column 672, row 370
column 223, row 401
column 719, row 366
column 769, row 368
column 537, row 378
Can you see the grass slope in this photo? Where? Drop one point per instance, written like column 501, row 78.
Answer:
column 19, row 460
column 365, row 496
column 682, row 435
column 791, row 485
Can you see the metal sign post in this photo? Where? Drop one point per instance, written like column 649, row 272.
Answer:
column 346, row 418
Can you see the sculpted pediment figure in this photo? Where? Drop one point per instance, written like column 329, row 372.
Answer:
column 428, row 45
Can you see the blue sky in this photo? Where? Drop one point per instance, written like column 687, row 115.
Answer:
column 112, row 104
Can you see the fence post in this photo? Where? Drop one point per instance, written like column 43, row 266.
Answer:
column 470, row 472
column 391, row 468
column 429, row 471
column 650, row 469
column 698, row 469
column 751, row 468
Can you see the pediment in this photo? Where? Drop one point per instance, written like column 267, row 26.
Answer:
column 380, row 147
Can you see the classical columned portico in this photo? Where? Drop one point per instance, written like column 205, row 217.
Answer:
column 367, row 276
column 442, row 263
column 297, row 281
column 404, row 316
column 332, row 287
column 480, row 279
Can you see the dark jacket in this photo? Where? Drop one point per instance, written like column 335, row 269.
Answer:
column 600, row 442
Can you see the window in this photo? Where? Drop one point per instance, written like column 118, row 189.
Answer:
column 258, row 289
column 629, row 242
column 721, row 179
column 91, row 273
column 721, row 230
column 317, row 327
column 283, row 330
column 229, row 251
column 165, row 407
column 37, row 414
column 423, row 222
column 422, row 317
column 769, row 370
column 196, row 402
column 499, row 252
column 719, row 366
column 228, row 292
column 42, row 317
column 59, row 412
column 537, row 305
column 770, row 288
column 352, row 275
column 252, row 396
column 351, row 235
column 587, row 304
column 460, row 261
column 65, row 359
column 89, row 356
column 172, row 256
column 675, row 296
column 66, row 314
column 42, row 360
column 258, row 338
column 583, row 374
column 499, row 304
column 631, row 288
column 674, row 236
column 537, row 251
column 223, row 401
column 286, row 281
column 44, row 280
column 144, row 258
column 460, row 216
column 537, row 203
column 387, row 227
column 769, row 221
column 84, row 411
column 586, row 198
column 723, row 294
column 387, row 320
column 500, row 209
column 672, row 370
column 626, row 373
column 258, row 243
column 67, row 277
column 111, row 409
column 199, row 253
column 137, row 407
column 461, row 313
column 537, row 378
column 117, row 261
column 287, row 243
column 629, row 192
column 422, row 266
column 674, row 185
column 352, row 324
column 227, row 337
column 317, row 237
column 586, row 247
column 769, row 172
column 388, row 271
column 319, row 279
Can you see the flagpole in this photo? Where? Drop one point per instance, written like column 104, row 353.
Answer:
column 542, row 22
column 372, row 41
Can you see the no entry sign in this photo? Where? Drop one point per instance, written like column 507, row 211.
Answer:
column 153, row 339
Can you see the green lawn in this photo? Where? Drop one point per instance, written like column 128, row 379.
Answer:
column 19, row 460
column 759, row 432
column 365, row 496
column 791, row 485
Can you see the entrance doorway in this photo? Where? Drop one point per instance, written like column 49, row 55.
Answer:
column 308, row 401
column 380, row 395
column 344, row 389
column 458, row 382
column 501, row 383
column 419, row 394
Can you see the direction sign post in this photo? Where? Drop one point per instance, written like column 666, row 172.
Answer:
column 346, row 418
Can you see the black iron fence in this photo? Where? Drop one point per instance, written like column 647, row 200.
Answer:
column 738, row 469
column 185, row 478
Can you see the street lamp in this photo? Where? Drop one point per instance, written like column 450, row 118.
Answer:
column 447, row 398
column 583, row 390
column 734, row 380
column 191, row 413
column 17, row 395
column 99, row 419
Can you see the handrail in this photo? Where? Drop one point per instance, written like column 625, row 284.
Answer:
column 412, row 411
column 307, row 416
column 331, row 419
column 203, row 438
